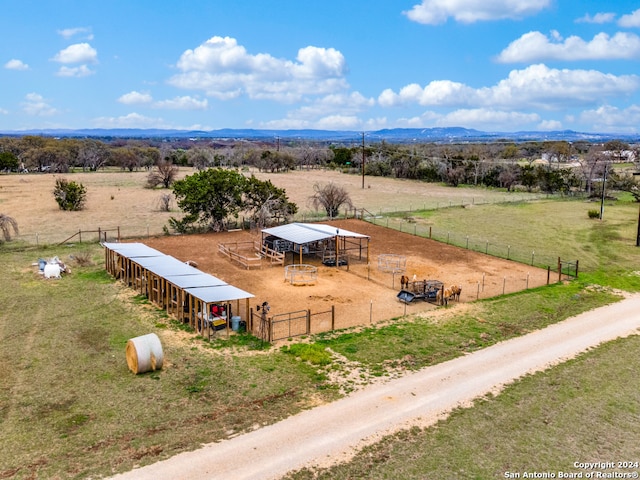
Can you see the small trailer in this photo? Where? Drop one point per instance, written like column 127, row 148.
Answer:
column 426, row 290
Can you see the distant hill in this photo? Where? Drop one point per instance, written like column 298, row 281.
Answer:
column 393, row 135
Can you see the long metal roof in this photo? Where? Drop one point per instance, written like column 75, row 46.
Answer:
column 133, row 250
column 301, row 233
column 218, row 294
column 193, row 281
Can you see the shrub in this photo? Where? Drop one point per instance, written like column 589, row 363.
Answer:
column 6, row 224
column 594, row 213
column 69, row 195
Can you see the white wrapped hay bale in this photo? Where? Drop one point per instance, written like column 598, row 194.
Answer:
column 144, row 353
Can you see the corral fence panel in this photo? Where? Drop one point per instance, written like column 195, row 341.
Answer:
column 292, row 324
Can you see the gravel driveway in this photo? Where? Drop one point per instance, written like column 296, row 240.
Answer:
column 333, row 432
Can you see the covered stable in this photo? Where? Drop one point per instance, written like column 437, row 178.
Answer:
column 182, row 290
column 335, row 246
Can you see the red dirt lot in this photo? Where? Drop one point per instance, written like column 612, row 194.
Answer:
column 360, row 293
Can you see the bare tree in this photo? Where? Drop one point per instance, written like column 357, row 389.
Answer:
column 8, row 223
column 592, row 167
column 164, row 202
column 330, row 197
column 165, row 174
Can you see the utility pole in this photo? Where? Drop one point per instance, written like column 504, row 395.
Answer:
column 363, row 157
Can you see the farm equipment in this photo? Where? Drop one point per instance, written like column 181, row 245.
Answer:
column 426, row 290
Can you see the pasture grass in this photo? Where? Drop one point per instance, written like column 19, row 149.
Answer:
column 544, row 230
column 423, row 340
column 69, row 406
column 576, row 411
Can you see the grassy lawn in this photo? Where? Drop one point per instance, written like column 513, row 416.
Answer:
column 548, row 228
column 577, row 411
column 69, row 407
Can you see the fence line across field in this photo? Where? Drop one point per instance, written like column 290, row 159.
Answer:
column 469, row 242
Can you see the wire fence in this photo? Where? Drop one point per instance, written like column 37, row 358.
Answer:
column 381, row 217
column 469, row 242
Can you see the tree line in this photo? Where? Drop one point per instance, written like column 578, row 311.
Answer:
column 547, row 166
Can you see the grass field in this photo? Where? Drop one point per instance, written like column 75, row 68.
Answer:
column 69, row 408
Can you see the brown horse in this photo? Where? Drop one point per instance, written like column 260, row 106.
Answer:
column 404, row 282
column 456, row 290
column 443, row 296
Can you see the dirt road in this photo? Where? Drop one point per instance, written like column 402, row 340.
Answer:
column 331, row 433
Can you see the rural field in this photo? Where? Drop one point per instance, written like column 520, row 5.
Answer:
column 69, row 407
column 119, row 199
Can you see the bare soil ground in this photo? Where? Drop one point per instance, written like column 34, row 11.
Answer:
column 361, row 294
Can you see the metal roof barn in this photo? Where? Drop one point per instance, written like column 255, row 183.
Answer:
column 184, row 291
column 301, row 233
column 334, row 245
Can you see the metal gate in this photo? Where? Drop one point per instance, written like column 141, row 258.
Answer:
column 291, row 324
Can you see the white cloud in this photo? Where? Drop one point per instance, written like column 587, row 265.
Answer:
column 225, row 70
column 77, row 53
column 15, row 64
column 177, row 103
column 487, row 118
column 435, row 12
column 550, row 125
column 535, row 86
column 438, row 92
column 136, row 120
column 630, row 20
column 338, row 122
column 131, row 120
column 534, row 46
column 79, row 71
column 36, row 105
column 335, row 111
column 133, row 98
column 597, row 18
column 182, row 103
column 612, row 119
column 67, row 33
column 4, row 111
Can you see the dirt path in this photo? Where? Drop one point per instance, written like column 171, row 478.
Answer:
column 333, row 432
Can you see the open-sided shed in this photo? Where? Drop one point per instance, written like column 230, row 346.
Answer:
column 185, row 292
column 318, row 239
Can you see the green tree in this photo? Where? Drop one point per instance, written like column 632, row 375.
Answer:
column 8, row 161
column 208, row 198
column 211, row 196
column 69, row 195
column 265, row 202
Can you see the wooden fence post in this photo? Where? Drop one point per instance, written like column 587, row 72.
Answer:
column 118, row 233
column 333, row 317
column 308, row 322
column 548, row 274
column 559, row 270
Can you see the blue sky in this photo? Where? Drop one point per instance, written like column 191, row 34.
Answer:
column 495, row 65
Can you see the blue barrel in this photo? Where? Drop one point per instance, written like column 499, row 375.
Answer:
column 235, row 323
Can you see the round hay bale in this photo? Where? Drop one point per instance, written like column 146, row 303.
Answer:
column 144, row 353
